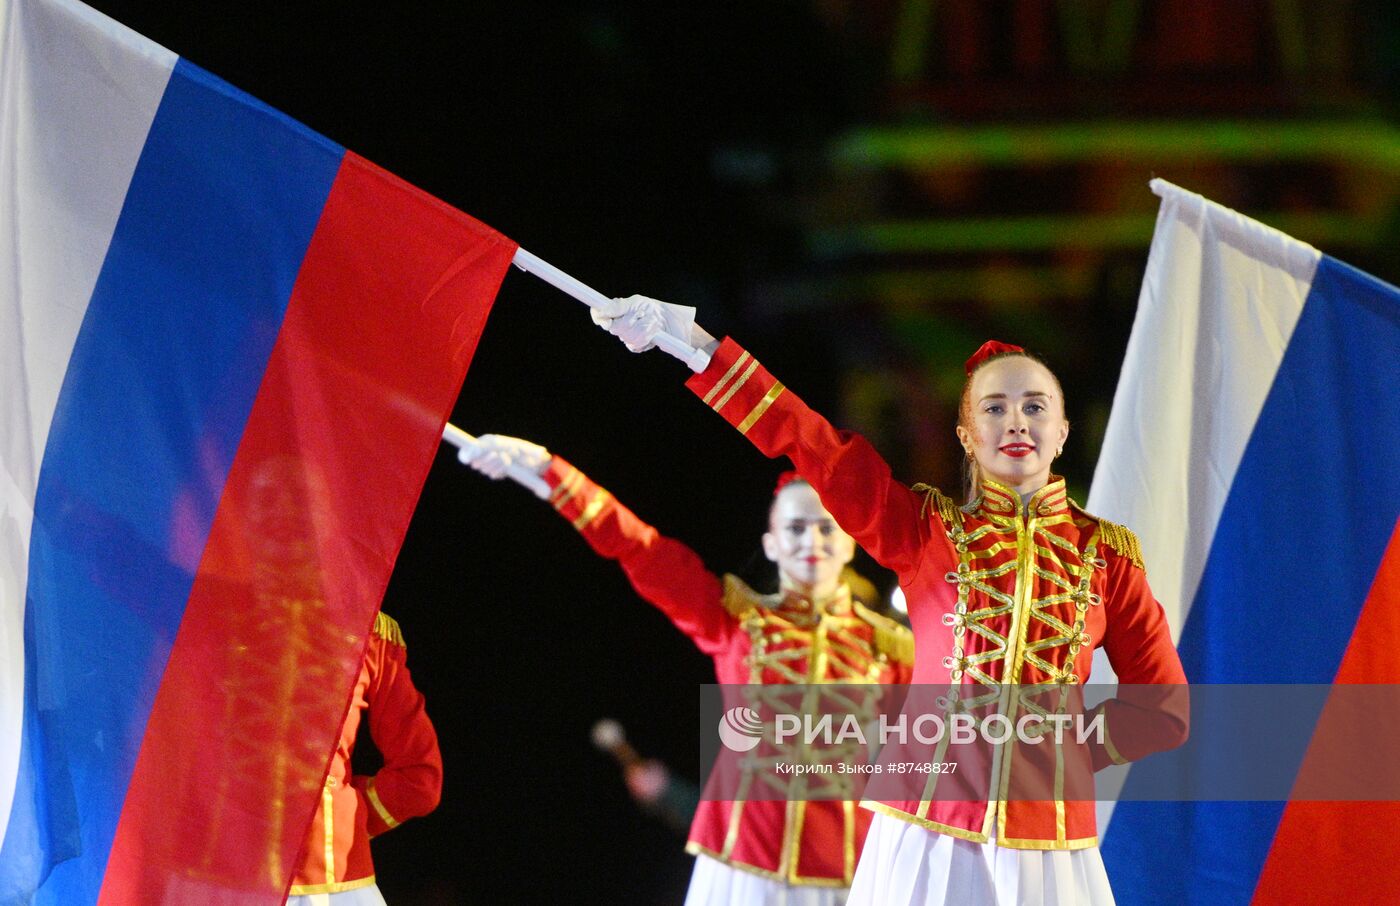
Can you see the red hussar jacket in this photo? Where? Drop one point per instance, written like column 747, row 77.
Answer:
column 753, row 639
column 1007, row 604
column 336, row 855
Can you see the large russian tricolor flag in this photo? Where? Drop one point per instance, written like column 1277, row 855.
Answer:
column 227, row 351
column 1252, row 446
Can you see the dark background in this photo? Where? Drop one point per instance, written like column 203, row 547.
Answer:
column 689, row 152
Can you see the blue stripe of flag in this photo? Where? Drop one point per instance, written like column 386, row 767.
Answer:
column 218, row 217
column 1300, row 539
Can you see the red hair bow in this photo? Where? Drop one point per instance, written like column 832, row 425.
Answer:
column 989, row 349
column 786, row 479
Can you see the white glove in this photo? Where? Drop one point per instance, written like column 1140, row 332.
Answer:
column 493, row 454
column 637, row 320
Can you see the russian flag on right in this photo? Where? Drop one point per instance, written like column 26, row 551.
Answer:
column 1254, row 446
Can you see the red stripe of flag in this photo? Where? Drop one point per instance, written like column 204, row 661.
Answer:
column 383, row 320
column 1335, row 851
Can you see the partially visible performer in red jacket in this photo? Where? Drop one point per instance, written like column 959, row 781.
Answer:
column 335, row 867
column 1014, row 588
column 754, row 853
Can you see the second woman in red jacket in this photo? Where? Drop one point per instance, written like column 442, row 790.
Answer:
column 758, row 852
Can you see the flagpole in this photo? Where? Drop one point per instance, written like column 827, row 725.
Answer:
column 464, row 442
column 697, row 359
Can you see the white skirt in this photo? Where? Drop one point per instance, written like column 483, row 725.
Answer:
column 715, row 884
column 905, row 865
column 368, row 895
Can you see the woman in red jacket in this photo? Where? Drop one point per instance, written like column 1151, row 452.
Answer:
column 760, row 852
column 1008, row 594
column 335, row 868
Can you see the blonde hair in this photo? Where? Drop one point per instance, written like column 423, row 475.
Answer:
column 972, row 473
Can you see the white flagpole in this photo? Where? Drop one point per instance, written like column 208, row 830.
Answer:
column 464, row 442
column 697, row 359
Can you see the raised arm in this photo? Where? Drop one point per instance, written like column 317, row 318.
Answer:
column 854, row 482
column 661, row 569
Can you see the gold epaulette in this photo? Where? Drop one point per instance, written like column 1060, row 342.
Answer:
column 739, row 599
column 937, row 500
column 862, row 589
column 387, row 628
column 891, row 638
column 1122, row 539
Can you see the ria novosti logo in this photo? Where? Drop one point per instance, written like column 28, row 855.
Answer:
column 740, row 729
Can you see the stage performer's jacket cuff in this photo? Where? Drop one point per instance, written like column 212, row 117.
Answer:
column 1139, row 721
column 885, row 517
column 740, row 389
column 662, row 570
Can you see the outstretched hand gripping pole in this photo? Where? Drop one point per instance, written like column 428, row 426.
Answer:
column 465, row 442
column 697, row 359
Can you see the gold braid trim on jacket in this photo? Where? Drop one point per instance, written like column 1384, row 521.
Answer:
column 891, row 638
column 387, row 628
column 1121, row 539
column 739, row 598
column 936, row 499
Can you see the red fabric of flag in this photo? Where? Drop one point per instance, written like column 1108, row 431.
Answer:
column 383, row 321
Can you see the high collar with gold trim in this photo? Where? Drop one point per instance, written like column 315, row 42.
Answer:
column 802, row 608
column 997, row 500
